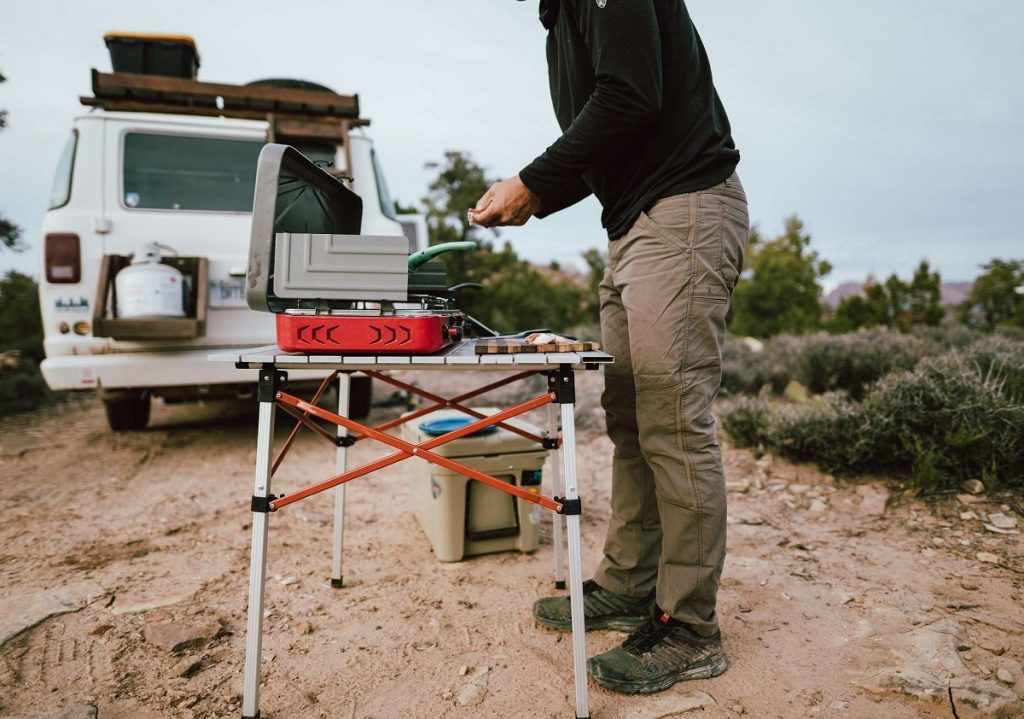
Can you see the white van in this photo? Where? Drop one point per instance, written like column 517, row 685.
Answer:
column 127, row 179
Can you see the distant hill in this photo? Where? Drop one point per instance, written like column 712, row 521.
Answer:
column 953, row 293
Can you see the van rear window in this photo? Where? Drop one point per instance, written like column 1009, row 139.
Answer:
column 61, row 190
column 182, row 172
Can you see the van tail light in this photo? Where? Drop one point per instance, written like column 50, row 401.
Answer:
column 63, row 258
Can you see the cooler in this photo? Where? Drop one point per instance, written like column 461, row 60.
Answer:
column 462, row 517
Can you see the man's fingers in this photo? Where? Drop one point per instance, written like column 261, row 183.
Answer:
column 484, row 201
column 488, row 217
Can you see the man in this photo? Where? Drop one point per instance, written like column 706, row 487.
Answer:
column 645, row 131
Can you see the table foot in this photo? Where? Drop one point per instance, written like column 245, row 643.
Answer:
column 337, row 583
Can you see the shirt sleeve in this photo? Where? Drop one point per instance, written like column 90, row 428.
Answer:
column 625, row 49
column 556, row 198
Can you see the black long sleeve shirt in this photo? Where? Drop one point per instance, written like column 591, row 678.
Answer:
column 641, row 119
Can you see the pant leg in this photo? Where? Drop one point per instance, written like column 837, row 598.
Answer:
column 676, row 271
column 633, row 543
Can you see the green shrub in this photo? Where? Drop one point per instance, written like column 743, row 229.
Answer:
column 746, row 421
column 954, row 417
column 22, row 389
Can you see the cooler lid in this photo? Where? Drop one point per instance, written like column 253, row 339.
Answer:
column 437, row 427
column 492, row 441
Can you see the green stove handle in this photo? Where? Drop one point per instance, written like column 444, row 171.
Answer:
column 423, row 256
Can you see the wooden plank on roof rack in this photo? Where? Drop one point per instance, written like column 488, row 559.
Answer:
column 123, row 86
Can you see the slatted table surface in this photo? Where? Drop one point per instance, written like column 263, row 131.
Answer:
column 462, row 354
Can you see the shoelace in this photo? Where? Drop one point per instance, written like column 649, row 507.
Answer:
column 647, row 636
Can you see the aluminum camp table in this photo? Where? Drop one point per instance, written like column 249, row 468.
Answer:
column 273, row 365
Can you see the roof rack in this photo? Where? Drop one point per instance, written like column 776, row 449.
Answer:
column 292, row 113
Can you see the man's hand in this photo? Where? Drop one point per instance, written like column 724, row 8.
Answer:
column 508, row 202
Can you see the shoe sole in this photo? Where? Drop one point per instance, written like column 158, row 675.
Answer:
column 618, row 624
column 708, row 672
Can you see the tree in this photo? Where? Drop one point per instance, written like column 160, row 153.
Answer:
column 924, row 298
column 517, row 295
column 781, row 291
column 10, row 233
column 894, row 303
column 20, row 324
column 997, row 297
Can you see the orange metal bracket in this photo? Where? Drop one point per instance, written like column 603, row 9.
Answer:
column 302, row 410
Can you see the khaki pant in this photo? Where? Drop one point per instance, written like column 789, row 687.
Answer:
column 664, row 298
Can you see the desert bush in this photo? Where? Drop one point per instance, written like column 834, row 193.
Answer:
column 948, row 419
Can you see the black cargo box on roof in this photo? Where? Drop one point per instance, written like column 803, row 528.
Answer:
column 146, row 54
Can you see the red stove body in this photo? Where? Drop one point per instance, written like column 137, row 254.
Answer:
column 369, row 335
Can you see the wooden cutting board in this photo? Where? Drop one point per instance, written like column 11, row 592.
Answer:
column 517, row 345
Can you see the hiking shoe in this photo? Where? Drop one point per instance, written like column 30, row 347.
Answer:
column 602, row 609
column 656, row 656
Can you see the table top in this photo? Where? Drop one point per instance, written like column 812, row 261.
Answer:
column 458, row 355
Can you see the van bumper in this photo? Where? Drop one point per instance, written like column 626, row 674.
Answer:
column 148, row 370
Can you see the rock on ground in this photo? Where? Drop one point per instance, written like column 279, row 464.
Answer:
column 179, row 636
column 669, row 704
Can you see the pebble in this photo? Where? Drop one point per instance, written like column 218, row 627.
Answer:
column 997, row 647
column 973, row 486
column 302, row 628
column 988, row 557
column 187, row 667
column 817, row 507
column 178, row 636
column 970, row 586
column 738, row 709
column 1004, row 675
column 1002, row 521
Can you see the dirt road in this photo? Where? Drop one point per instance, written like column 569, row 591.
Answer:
column 123, row 581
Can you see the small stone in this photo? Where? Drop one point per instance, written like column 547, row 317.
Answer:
column 799, row 488
column 289, row 580
column 997, row 647
column 873, row 500
column 963, row 647
column 817, row 507
column 967, row 498
column 738, row 709
column 302, row 628
column 740, row 485
column 179, row 636
column 1003, row 674
column 988, row 557
column 968, row 515
column 187, row 667
column 938, row 541
column 969, row 586
column 973, row 486
column 1002, row 521
column 839, row 706
column 463, row 670
column 474, row 691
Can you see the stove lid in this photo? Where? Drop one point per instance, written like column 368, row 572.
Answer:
column 292, row 196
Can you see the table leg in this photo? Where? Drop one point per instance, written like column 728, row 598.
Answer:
column 258, row 557
column 557, row 523
column 341, row 465
column 579, row 648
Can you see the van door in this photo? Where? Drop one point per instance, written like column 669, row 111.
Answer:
column 189, row 186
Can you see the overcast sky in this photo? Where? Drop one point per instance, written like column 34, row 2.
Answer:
column 892, row 127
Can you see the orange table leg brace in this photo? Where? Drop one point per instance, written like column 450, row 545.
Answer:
column 407, row 450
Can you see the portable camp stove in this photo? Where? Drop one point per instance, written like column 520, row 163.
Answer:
column 382, row 330
column 333, row 289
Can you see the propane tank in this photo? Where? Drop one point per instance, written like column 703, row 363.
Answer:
column 149, row 289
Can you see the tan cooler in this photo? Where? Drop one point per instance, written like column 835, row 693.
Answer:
column 463, row 517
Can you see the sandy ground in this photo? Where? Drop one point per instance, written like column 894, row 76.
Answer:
column 115, row 547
